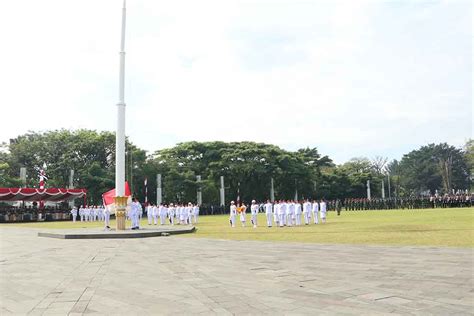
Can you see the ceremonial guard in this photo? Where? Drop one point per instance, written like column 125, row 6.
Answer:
column 232, row 214
column 307, row 212
column 315, row 212
column 254, row 213
column 190, row 213
column 276, row 213
column 268, row 213
column 134, row 210
column 106, row 213
column 323, row 211
column 171, row 213
column 163, row 211
column 298, row 213
column 196, row 213
column 282, row 213
column 81, row 213
column 149, row 213
column 74, row 214
column 154, row 214
column 290, row 213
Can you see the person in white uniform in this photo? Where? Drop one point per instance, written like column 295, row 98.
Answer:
column 290, row 213
column 190, row 213
column 106, row 213
column 276, row 212
column 81, row 213
column 315, row 212
column 149, row 213
column 196, row 213
column 323, row 211
column 171, row 213
column 307, row 212
column 268, row 213
column 232, row 214
column 298, row 213
column 282, row 213
column 254, row 213
column 134, row 209
column 74, row 214
column 182, row 214
column 154, row 214
column 161, row 214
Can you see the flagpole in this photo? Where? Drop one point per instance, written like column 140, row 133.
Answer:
column 120, row 199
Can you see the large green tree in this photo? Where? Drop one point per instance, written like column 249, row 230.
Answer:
column 89, row 153
column 434, row 167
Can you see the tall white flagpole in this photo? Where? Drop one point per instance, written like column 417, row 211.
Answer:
column 120, row 199
column 120, row 133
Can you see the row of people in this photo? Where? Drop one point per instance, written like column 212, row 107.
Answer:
column 282, row 213
column 91, row 214
column 179, row 213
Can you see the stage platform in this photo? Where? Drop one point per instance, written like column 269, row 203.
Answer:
column 95, row 233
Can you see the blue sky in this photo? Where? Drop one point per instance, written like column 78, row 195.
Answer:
column 353, row 78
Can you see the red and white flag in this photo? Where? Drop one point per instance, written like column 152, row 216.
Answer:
column 108, row 198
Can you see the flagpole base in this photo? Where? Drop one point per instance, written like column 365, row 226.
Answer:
column 120, row 210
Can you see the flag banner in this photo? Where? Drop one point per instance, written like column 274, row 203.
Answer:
column 109, row 202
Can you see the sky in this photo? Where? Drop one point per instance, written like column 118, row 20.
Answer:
column 352, row 78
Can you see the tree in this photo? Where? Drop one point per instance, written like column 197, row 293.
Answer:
column 89, row 153
column 434, row 167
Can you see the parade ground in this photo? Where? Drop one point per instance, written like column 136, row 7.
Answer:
column 410, row 262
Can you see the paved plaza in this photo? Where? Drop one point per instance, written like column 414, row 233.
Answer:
column 187, row 275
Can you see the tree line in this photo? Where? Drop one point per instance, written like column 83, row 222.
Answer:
column 247, row 167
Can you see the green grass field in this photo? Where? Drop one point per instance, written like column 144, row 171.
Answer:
column 440, row 227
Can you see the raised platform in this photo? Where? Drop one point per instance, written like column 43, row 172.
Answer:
column 94, row 233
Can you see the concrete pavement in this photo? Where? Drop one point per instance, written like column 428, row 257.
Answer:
column 176, row 275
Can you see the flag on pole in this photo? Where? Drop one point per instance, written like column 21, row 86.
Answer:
column 109, row 202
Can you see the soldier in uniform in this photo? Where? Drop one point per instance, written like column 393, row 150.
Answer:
column 149, row 213
column 298, row 213
column 106, row 212
column 232, row 214
column 307, row 212
column 254, row 213
column 315, row 212
column 269, row 213
column 74, row 214
column 323, row 211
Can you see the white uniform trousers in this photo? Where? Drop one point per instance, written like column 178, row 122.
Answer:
column 298, row 219
column 150, row 217
column 281, row 218
column 307, row 217
column 269, row 219
column 315, row 217
column 254, row 220
column 107, row 219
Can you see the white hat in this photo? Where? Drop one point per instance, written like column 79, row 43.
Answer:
column 231, row 202
column 253, row 201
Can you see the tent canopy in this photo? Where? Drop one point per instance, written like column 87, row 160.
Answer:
column 47, row 195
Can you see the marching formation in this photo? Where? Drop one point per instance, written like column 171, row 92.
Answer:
column 92, row 214
column 173, row 214
column 281, row 213
column 181, row 214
